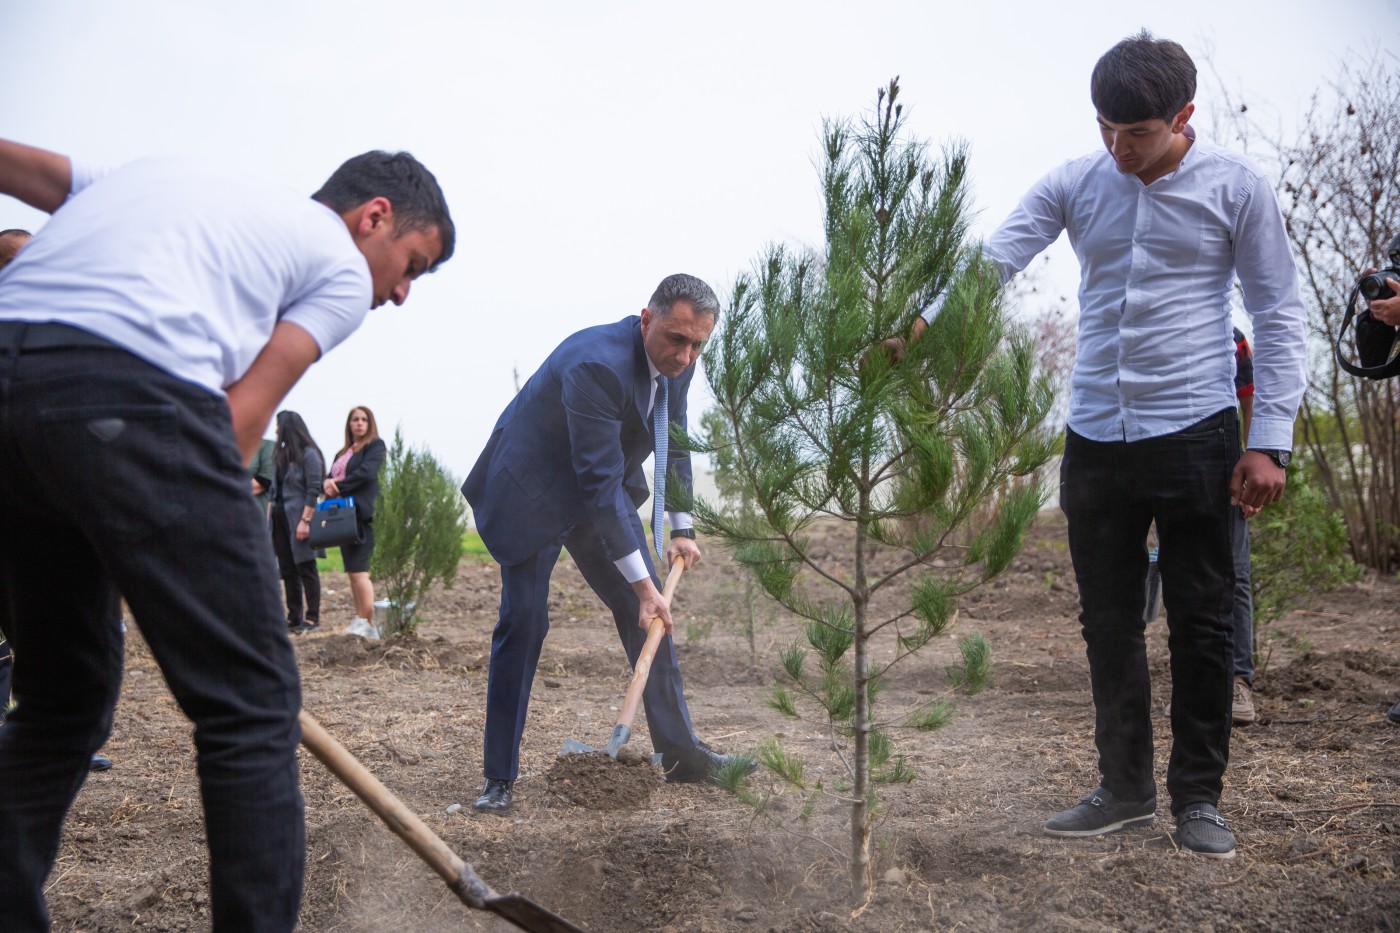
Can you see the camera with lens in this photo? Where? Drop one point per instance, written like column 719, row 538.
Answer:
column 1377, row 343
column 1373, row 286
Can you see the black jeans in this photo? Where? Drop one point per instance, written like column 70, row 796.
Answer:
column 1111, row 492
column 115, row 476
column 301, row 582
column 5, row 663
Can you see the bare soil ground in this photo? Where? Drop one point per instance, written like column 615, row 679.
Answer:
column 1313, row 789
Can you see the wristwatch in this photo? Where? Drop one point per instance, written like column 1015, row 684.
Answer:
column 1280, row 457
column 683, row 533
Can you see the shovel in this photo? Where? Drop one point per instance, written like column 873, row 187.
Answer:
column 623, row 730
column 459, row 876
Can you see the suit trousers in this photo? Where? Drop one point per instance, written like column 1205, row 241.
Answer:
column 520, row 633
column 117, row 477
column 1110, row 492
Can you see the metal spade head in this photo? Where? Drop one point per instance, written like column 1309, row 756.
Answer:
column 620, row 735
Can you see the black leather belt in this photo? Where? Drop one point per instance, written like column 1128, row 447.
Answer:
column 19, row 336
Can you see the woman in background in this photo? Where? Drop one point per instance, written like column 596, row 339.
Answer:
column 298, row 467
column 355, row 473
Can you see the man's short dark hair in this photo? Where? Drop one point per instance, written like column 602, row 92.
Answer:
column 687, row 288
column 1143, row 78
column 411, row 189
column 9, row 248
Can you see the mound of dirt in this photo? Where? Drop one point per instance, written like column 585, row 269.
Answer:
column 398, row 652
column 596, row 782
column 1348, row 677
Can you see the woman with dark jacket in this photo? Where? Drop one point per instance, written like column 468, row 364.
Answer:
column 355, row 473
column 298, row 467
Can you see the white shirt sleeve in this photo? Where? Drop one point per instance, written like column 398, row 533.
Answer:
column 1269, row 281
column 633, row 567
column 335, row 308
column 83, row 174
column 1037, row 221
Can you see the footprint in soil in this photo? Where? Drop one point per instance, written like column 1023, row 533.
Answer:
column 596, row 782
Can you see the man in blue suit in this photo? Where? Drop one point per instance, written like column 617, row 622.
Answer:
column 563, row 468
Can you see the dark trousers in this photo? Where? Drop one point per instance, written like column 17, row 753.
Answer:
column 301, row 582
column 116, row 477
column 6, row 662
column 520, row 633
column 1110, row 493
column 1243, row 612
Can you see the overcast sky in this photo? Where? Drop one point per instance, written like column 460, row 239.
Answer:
column 589, row 150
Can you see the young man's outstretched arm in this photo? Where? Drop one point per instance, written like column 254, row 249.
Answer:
column 39, row 178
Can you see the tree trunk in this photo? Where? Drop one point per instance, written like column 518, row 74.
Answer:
column 860, row 790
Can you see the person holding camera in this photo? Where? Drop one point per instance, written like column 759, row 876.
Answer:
column 1382, row 314
column 1377, row 329
column 1376, row 325
column 1163, row 224
column 1386, row 310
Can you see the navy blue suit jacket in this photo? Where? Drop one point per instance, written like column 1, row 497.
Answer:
column 570, row 446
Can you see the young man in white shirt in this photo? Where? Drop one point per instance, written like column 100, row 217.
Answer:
column 1162, row 224
column 146, row 336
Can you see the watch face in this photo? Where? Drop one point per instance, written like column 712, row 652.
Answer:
column 1283, row 457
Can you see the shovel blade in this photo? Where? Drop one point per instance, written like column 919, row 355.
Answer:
column 528, row 915
column 619, row 738
column 575, row 747
column 620, row 735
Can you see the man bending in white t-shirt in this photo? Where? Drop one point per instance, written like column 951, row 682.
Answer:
column 147, row 334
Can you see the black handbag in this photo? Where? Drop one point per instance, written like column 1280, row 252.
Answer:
column 335, row 524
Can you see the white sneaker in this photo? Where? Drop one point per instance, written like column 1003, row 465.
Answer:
column 362, row 628
column 1242, row 709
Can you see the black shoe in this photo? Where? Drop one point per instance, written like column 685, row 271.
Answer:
column 304, row 627
column 495, row 796
column 99, row 763
column 1100, row 813
column 701, row 765
column 1201, row 829
column 1394, row 714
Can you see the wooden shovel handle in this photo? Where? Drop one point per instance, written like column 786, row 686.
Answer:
column 402, row 821
column 460, row 878
column 642, row 670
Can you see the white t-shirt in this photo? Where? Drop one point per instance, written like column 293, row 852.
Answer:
column 188, row 268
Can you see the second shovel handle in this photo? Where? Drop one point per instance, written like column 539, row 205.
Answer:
column 642, row 670
column 402, row 821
